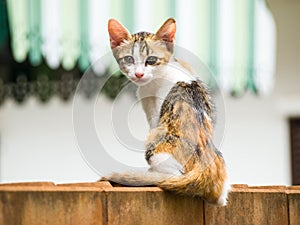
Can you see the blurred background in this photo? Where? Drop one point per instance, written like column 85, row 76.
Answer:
column 251, row 48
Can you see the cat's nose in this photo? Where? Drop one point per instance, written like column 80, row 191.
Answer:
column 139, row 75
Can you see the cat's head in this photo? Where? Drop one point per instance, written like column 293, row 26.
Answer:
column 143, row 54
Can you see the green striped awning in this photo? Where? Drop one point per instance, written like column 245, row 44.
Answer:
column 235, row 39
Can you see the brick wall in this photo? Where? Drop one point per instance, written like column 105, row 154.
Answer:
column 100, row 203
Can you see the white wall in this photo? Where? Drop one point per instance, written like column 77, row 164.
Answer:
column 37, row 141
column 257, row 141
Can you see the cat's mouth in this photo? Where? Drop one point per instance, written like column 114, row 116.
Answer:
column 140, row 81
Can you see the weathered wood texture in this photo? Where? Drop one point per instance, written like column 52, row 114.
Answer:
column 45, row 203
column 102, row 204
column 253, row 206
column 294, row 205
column 152, row 207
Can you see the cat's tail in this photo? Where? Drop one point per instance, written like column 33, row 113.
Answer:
column 136, row 178
column 213, row 188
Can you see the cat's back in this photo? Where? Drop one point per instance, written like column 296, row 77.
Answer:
column 186, row 96
column 185, row 125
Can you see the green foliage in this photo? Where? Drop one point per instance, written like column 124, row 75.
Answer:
column 114, row 85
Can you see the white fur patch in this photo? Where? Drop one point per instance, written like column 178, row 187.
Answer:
column 165, row 163
column 136, row 53
column 226, row 189
column 206, row 116
column 175, row 72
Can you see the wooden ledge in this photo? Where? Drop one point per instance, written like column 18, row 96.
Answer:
column 49, row 186
column 100, row 203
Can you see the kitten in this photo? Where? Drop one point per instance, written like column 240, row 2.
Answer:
column 180, row 112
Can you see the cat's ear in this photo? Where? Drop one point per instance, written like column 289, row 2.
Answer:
column 117, row 33
column 167, row 31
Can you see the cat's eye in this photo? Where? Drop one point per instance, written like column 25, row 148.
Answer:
column 128, row 59
column 151, row 60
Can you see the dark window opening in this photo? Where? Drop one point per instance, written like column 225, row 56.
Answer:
column 295, row 149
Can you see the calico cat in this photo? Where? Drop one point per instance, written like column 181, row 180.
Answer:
column 180, row 112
